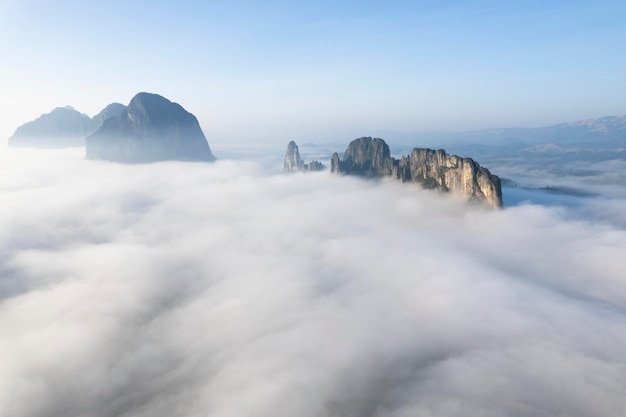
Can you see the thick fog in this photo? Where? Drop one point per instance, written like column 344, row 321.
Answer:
column 231, row 290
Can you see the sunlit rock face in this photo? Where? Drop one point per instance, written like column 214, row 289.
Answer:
column 438, row 170
column 293, row 161
column 62, row 127
column 150, row 129
column 427, row 167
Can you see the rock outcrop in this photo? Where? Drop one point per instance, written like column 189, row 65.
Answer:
column 314, row 166
column 366, row 157
column 150, row 129
column 294, row 163
column 432, row 169
column 62, row 127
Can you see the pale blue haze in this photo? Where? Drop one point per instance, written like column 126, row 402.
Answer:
column 269, row 71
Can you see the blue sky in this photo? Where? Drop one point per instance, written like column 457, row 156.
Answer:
column 279, row 70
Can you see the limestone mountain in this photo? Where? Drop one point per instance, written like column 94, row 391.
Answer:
column 432, row 169
column 151, row 128
column 62, row 127
column 294, row 163
column 366, row 157
column 112, row 110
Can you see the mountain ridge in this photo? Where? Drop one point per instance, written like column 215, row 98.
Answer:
column 606, row 132
column 431, row 169
column 62, row 127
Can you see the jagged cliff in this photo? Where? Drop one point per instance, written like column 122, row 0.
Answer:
column 294, row 163
column 151, row 128
column 432, row 169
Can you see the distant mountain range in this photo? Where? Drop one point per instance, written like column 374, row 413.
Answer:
column 607, row 131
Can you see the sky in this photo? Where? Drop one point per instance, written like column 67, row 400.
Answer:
column 230, row 289
column 326, row 70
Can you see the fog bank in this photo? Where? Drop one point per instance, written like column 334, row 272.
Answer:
column 188, row 289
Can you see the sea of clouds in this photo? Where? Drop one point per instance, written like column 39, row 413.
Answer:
column 231, row 290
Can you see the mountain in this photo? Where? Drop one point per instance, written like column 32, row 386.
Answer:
column 62, row 127
column 606, row 130
column 294, row 163
column 112, row 110
column 603, row 133
column 151, row 128
column 432, row 169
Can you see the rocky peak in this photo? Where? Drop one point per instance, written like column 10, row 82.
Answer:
column 435, row 169
column 365, row 156
column 293, row 161
column 151, row 128
column 432, row 169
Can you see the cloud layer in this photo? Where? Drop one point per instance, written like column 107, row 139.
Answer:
column 177, row 289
